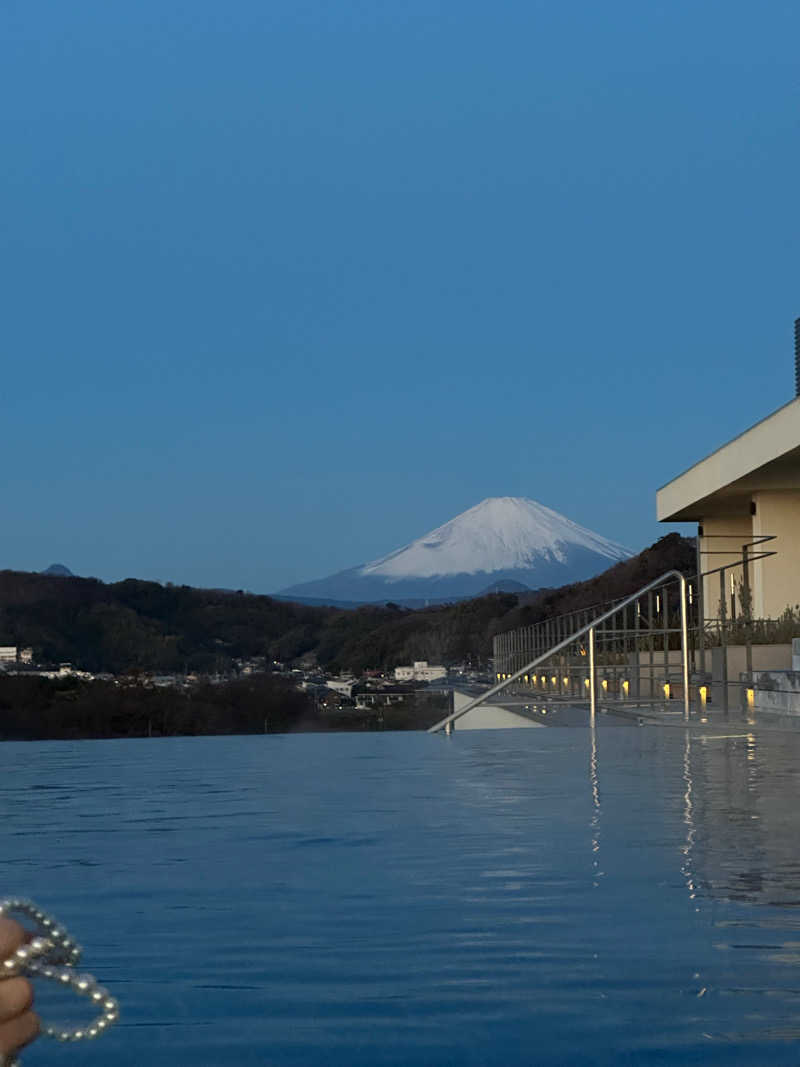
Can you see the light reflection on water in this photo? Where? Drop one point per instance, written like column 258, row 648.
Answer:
column 520, row 897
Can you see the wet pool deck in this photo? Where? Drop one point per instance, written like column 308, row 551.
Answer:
column 707, row 719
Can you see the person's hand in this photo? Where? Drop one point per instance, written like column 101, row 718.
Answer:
column 19, row 1025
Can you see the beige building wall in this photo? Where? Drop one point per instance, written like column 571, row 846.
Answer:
column 720, row 545
column 776, row 580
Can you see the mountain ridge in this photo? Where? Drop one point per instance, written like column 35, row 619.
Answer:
column 499, row 540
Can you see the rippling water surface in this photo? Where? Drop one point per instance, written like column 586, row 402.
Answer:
column 520, row 897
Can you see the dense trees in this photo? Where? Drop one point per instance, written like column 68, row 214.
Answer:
column 135, row 625
column 35, row 708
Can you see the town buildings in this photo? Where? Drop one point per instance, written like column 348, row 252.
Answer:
column 421, row 671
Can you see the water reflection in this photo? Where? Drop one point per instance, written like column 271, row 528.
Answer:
column 581, row 896
column 737, row 798
column 741, row 805
column 594, row 782
column 688, row 815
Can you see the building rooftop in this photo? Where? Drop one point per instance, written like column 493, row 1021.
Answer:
column 766, row 456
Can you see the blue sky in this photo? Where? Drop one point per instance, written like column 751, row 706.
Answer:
column 288, row 283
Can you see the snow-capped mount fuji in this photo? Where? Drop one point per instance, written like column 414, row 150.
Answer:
column 505, row 538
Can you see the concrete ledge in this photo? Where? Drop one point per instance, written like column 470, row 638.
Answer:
column 489, row 716
column 777, row 691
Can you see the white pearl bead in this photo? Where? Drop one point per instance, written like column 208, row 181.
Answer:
column 37, row 959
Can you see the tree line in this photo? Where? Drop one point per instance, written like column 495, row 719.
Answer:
column 130, row 626
column 37, row 708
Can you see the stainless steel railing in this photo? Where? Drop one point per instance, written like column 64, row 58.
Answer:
column 590, row 630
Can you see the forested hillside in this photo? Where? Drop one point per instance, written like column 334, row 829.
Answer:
column 35, row 708
column 136, row 625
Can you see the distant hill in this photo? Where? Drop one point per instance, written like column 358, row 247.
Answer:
column 58, row 570
column 412, row 602
column 505, row 586
column 144, row 626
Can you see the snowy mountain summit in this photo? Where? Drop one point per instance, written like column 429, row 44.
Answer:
column 502, row 539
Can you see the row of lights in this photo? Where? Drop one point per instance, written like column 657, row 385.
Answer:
column 534, row 679
column 667, row 689
column 626, row 685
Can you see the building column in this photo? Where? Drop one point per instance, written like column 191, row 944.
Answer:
column 720, row 545
column 777, row 579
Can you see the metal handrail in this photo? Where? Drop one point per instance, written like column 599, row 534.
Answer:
column 589, row 628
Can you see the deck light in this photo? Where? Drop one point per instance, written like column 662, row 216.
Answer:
column 625, row 687
column 666, row 690
column 751, row 697
column 566, row 681
column 703, row 691
column 604, row 683
column 586, row 682
column 554, row 679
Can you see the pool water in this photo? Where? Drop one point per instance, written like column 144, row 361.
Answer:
column 519, row 897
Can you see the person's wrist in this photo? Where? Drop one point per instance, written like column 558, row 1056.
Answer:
column 19, row 1024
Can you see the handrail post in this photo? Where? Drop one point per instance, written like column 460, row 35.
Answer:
column 723, row 639
column 592, row 694
column 701, row 616
column 747, row 605
column 684, row 648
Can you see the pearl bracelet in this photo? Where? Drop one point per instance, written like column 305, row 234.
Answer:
column 53, row 955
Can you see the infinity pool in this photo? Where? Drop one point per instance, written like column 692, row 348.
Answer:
column 520, row 897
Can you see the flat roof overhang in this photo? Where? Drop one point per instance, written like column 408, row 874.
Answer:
column 767, row 456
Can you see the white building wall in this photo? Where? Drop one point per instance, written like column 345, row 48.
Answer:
column 420, row 672
column 341, row 685
column 430, row 674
